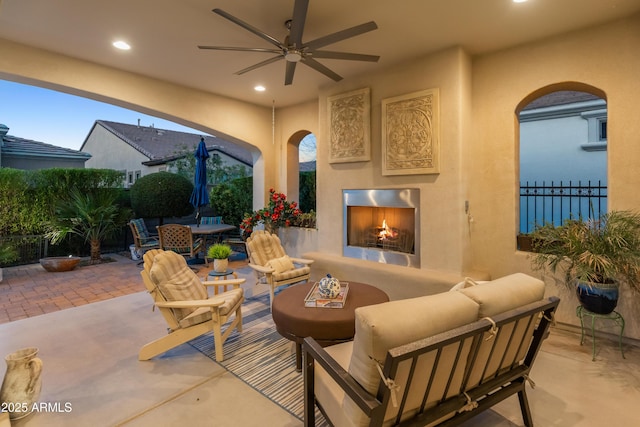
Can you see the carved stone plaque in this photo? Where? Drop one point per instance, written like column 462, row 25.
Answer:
column 349, row 127
column 410, row 134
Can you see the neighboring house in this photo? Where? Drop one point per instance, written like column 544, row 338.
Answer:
column 563, row 158
column 141, row 150
column 26, row 154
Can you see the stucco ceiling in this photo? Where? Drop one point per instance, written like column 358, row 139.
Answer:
column 164, row 35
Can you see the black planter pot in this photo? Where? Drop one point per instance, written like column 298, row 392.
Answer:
column 601, row 298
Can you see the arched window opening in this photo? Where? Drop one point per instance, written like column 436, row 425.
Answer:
column 307, row 173
column 563, row 157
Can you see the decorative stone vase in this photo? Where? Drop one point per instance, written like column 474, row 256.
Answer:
column 601, row 298
column 329, row 287
column 220, row 265
column 22, row 383
column 59, row 263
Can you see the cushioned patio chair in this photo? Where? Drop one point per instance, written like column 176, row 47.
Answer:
column 272, row 265
column 185, row 305
column 179, row 239
column 211, row 220
column 142, row 239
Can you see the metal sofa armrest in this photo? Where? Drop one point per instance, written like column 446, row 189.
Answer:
column 314, row 353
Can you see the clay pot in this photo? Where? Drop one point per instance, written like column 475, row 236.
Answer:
column 220, row 265
column 59, row 263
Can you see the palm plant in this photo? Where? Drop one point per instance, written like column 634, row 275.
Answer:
column 604, row 250
column 95, row 216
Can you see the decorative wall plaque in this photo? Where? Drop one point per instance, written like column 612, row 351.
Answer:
column 349, row 127
column 410, row 134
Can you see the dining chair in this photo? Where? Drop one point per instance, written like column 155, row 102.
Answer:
column 179, row 239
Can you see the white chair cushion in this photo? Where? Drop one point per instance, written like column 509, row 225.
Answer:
column 282, row 264
column 176, row 281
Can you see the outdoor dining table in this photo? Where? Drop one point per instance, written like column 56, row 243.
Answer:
column 207, row 230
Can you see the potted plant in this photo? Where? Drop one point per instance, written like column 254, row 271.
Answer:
column 596, row 255
column 220, row 253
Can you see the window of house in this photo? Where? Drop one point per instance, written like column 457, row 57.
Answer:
column 138, row 175
column 130, row 178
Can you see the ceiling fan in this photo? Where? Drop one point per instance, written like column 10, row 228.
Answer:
column 293, row 50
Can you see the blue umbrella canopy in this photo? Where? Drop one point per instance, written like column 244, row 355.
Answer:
column 200, row 195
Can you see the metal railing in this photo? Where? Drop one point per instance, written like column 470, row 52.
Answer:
column 556, row 202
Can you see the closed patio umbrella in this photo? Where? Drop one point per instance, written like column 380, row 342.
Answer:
column 200, row 195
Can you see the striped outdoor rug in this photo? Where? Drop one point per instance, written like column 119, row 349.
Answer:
column 262, row 358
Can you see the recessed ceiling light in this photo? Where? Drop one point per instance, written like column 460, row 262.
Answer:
column 122, row 45
column 260, row 88
column 519, row 1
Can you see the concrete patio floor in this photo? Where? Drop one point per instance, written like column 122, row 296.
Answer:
column 89, row 352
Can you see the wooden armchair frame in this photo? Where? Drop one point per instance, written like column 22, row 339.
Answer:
column 179, row 335
column 262, row 247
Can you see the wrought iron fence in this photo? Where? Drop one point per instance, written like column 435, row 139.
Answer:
column 30, row 248
column 554, row 203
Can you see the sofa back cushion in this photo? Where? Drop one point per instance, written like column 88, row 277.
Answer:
column 382, row 327
column 505, row 293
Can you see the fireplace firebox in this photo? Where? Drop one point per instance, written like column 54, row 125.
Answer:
column 382, row 225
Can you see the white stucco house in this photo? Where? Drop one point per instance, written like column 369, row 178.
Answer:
column 141, row 150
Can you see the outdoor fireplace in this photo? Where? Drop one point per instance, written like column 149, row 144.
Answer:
column 382, row 225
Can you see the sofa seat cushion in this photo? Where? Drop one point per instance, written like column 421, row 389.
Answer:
column 505, row 293
column 385, row 326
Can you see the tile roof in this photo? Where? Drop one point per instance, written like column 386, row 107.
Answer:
column 13, row 145
column 162, row 145
column 561, row 98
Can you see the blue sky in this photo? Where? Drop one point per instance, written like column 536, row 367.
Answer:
column 60, row 119
column 65, row 120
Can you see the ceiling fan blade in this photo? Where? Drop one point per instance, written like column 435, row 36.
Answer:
column 343, row 55
column 297, row 23
column 249, row 27
column 241, row 49
column 320, row 68
column 341, row 35
column 288, row 75
column 260, row 64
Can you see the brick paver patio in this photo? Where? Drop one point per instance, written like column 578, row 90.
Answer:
column 30, row 290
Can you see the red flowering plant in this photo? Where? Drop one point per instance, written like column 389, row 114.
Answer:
column 279, row 213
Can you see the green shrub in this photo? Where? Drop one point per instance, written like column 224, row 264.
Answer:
column 160, row 195
column 232, row 199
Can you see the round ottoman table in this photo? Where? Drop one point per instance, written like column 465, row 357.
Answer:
column 328, row 326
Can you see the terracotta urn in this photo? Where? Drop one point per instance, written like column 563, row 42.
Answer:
column 22, row 383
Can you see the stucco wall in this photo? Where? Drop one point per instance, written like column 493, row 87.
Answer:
column 110, row 152
column 605, row 58
column 443, row 222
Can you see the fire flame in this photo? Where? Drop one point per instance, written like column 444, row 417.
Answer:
column 386, row 232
